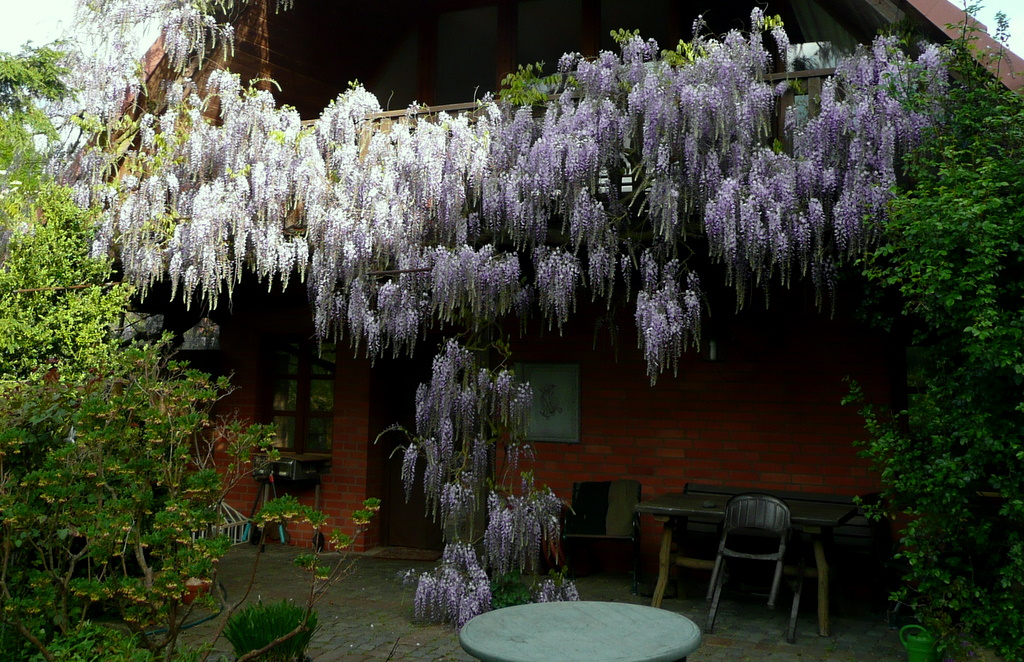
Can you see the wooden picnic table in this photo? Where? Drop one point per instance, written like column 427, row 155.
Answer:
column 815, row 518
column 584, row 630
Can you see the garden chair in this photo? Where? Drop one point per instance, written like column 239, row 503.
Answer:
column 763, row 517
column 605, row 510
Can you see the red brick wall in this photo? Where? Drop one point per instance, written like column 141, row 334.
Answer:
column 352, row 478
column 767, row 415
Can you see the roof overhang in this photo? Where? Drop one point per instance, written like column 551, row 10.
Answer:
column 945, row 17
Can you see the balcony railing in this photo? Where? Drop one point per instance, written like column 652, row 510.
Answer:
column 803, row 97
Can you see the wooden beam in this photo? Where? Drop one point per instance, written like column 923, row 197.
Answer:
column 590, row 39
column 508, row 39
column 426, row 71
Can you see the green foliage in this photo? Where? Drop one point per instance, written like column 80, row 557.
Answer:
column 259, row 625
column 623, row 36
column 686, row 52
column 90, row 642
column 508, row 590
column 527, row 86
column 954, row 253
column 102, row 484
column 27, row 81
column 57, row 307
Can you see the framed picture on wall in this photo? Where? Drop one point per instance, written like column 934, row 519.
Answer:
column 555, row 413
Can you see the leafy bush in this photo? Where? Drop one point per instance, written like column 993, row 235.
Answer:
column 257, row 626
column 106, row 451
column 952, row 462
column 102, row 484
column 508, row 590
column 90, row 642
column 57, row 305
column 94, row 642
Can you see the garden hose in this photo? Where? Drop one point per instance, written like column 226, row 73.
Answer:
column 204, row 619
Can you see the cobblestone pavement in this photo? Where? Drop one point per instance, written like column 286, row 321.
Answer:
column 368, row 616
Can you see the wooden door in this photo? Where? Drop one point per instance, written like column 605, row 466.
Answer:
column 404, row 523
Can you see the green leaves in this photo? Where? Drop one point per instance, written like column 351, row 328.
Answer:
column 107, row 490
column 27, row 81
column 953, row 253
column 527, row 86
column 57, row 307
column 260, row 625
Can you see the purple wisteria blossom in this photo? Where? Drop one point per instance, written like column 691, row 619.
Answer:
column 461, row 220
column 518, row 524
column 456, row 590
column 463, row 415
column 554, row 590
column 667, row 314
column 458, row 223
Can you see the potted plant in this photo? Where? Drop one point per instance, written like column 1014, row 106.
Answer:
column 274, row 632
column 195, row 587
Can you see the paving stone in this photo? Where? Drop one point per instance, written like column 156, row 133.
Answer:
column 368, row 616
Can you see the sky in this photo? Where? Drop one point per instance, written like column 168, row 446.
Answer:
column 42, row 21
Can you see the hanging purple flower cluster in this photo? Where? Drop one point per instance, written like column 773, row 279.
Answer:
column 668, row 317
column 462, row 415
column 555, row 590
column 557, row 277
column 517, row 524
column 844, row 172
column 468, row 219
column 456, row 590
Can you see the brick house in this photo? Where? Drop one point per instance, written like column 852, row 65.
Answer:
column 758, row 405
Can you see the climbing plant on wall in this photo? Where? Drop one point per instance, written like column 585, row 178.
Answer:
column 474, row 218
column 641, row 162
column 953, row 253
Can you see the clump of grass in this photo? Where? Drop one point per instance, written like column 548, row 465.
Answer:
column 255, row 626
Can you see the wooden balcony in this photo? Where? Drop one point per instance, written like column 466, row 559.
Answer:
column 802, row 97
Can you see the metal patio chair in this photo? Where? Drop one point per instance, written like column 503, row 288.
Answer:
column 760, row 516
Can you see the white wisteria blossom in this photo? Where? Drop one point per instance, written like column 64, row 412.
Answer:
column 463, row 222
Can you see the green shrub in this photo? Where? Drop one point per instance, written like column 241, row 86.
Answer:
column 508, row 590
column 12, row 645
column 951, row 464
column 90, row 642
column 257, row 625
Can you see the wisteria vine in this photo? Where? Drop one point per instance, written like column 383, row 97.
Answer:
column 642, row 161
column 479, row 216
column 468, row 418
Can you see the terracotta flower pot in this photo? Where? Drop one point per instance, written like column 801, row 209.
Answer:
column 194, row 587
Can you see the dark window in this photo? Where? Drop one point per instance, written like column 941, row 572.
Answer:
column 302, row 396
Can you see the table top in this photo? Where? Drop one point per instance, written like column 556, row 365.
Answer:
column 802, row 513
column 585, row 630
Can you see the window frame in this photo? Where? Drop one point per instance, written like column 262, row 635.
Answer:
column 300, row 396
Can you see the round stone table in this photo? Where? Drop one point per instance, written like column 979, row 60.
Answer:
column 583, row 631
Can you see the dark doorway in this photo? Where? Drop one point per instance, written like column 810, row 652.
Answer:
column 404, row 523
